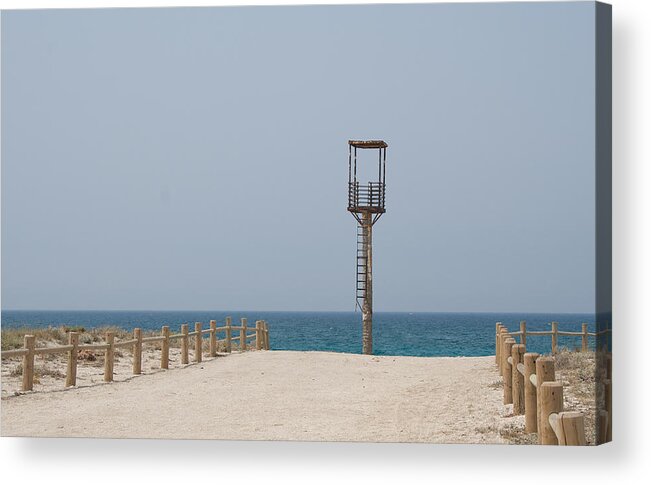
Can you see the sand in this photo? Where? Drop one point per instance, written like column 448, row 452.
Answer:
column 279, row 395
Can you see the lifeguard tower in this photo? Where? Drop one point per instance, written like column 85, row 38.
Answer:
column 366, row 203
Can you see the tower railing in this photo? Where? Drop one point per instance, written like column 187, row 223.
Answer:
column 370, row 195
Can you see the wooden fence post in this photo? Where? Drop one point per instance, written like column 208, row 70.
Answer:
column 551, row 400
column 523, row 332
column 608, row 393
column 508, row 390
column 228, row 334
column 544, row 373
column 266, row 336
column 28, row 362
column 602, row 427
column 498, row 326
column 572, row 428
column 243, row 335
column 554, row 337
column 137, row 351
column 609, row 408
column 258, row 335
column 165, row 351
column 530, row 404
column 213, row 338
column 517, row 353
column 71, row 374
column 584, row 337
column 198, row 340
column 184, row 344
column 503, row 336
column 109, row 356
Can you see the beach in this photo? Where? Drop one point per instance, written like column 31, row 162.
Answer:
column 281, row 395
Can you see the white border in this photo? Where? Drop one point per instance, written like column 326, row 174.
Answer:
column 105, row 461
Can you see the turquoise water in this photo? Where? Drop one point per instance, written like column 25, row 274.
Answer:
column 416, row 334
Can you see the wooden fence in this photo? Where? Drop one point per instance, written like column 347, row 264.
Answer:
column 259, row 340
column 555, row 333
column 530, row 385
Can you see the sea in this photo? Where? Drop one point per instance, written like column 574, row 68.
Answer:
column 403, row 333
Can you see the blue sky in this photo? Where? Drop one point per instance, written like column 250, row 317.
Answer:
column 196, row 158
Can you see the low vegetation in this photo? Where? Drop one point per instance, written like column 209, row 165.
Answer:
column 39, row 371
column 50, row 369
column 576, row 371
column 13, row 338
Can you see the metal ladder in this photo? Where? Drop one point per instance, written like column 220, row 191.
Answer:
column 362, row 267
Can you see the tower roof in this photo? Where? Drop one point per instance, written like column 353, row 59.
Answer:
column 367, row 143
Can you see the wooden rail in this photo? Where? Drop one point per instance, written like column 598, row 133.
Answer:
column 554, row 333
column 259, row 341
column 530, row 385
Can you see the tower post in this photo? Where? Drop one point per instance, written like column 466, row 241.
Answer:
column 366, row 203
column 367, row 305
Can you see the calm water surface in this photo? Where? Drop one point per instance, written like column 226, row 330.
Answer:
column 415, row 334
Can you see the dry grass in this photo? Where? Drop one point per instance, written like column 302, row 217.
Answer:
column 514, row 433
column 496, row 384
column 50, row 368
column 13, row 338
column 39, row 371
column 576, row 371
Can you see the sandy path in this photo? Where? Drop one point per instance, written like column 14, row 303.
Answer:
column 280, row 395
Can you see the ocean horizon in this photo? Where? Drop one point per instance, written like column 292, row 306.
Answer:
column 420, row 334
